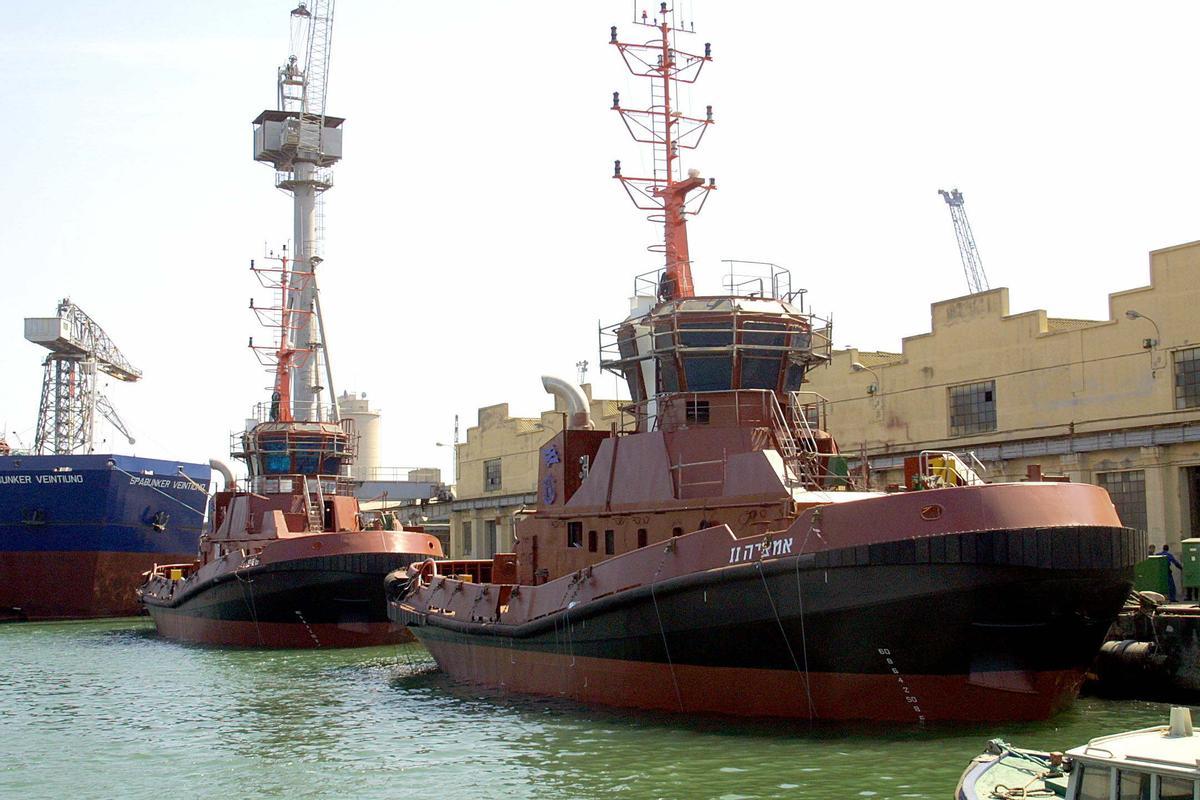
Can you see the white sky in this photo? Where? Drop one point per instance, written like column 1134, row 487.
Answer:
column 475, row 237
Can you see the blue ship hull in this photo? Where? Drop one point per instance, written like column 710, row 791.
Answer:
column 77, row 532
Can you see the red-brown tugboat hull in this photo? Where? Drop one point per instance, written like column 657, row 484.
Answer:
column 240, row 633
column 750, row 692
column 49, row 585
column 819, row 621
column 316, row 590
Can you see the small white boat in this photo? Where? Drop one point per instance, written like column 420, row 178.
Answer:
column 1159, row 763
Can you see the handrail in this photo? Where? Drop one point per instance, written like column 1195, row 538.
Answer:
column 952, row 466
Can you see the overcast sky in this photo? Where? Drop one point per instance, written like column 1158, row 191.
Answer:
column 475, row 237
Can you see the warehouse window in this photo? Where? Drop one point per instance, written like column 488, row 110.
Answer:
column 1187, row 378
column 468, row 539
column 489, row 539
column 1128, row 492
column 972, row 408
column 491, row 475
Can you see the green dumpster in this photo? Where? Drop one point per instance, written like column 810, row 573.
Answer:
column 1191, row 562
column 1151, row 575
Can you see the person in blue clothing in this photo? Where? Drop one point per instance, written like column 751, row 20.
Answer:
column 1174, row 562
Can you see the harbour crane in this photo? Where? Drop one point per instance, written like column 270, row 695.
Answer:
column 79, row 348
column 972, row 264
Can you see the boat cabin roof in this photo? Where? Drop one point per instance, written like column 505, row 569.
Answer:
column 1149, row 749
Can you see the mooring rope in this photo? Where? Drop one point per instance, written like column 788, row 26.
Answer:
column 237, row 573
column 661, row 629
column 812, row 710
column 783, row 633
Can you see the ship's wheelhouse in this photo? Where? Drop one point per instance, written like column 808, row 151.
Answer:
column 274, row 450
column 704, row 345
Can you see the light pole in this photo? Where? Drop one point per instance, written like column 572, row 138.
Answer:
column 858, row 366
column 453, row 457
column 1148, row 344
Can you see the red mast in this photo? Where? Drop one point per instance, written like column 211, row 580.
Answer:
column 667, row 131
column 281, row 357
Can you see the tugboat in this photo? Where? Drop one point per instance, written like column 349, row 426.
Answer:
column 714, row 558
column 1159, row 763
column 287, row 562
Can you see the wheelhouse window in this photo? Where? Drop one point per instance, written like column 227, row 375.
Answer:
column 972, row 408
column 1187, row 378
column 574, row 534
column 491, row 475
column 1175, row 788
column 592, row 541
column 610, row 543
column 306, row 456
column 759, row 333
column 1134, row 786
column 710, row 333
column 708, row 373
column 760, row 373
column 794, row 378
column 697, row 412
column 1128, row 492
column 668, row 374
column 276, row 459
column 1094, row 783
column 642, row 537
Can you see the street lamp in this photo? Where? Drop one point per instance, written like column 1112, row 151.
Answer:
column 858, row 366
column 1148, row 344
column 453, row 457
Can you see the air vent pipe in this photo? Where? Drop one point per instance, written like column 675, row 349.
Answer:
column 578, row 407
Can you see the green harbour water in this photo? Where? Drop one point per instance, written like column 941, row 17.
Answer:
column 108, row 710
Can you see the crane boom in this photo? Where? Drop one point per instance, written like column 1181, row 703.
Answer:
column 972, row 264
column 316, row 72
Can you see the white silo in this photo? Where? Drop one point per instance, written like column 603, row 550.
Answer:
column 367, row 423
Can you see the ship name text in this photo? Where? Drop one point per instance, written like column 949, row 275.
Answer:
column 765, row 549
column 8, row 479
column 158, row 483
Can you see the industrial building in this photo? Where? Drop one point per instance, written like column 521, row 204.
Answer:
column 1115, row 402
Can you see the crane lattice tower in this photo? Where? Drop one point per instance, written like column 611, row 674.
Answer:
column 972, row 264
column 79, row 348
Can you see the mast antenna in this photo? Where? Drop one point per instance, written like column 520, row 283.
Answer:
column 972, row 264
column 668, row 131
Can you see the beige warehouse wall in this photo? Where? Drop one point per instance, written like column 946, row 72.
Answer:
column 1054, row 378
